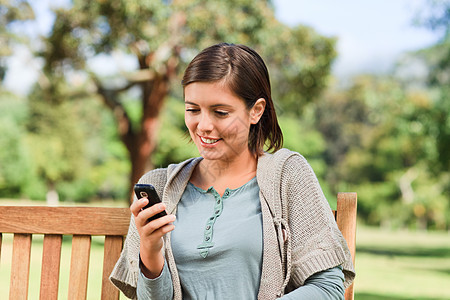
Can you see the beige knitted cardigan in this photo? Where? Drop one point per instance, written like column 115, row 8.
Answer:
column 293, row 206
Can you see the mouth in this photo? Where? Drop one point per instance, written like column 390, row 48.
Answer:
column 209, row 141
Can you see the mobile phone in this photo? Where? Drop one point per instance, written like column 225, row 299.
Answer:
column 148, row 190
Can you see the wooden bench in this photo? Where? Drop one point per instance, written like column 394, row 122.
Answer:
column 84, row 222
column 345, row 215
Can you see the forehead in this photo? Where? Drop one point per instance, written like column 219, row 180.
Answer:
column 210, row 92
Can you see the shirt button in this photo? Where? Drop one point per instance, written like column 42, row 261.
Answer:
column 208, row 227
column 217, row 212
column 207, row 238
column 218, row 201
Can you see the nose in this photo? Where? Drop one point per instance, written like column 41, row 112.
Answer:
column 205, row 124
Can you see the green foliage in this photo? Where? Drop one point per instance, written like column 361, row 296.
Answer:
column 72, row 145
column 436, row 58
column 54, row 139
column 14, row 160
column 379, row 144
column 173, row 138
column 105, row 160
column 10, row 12
column 299, row 61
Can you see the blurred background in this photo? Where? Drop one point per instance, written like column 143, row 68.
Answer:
column 90, row 99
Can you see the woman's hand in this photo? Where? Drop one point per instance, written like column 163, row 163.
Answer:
column 151, row 234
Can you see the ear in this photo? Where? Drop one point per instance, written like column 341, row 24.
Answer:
column 257, row 110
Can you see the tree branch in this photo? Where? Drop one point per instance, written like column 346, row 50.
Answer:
column 110, row 99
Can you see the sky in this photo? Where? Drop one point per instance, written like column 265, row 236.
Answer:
column 371, row 34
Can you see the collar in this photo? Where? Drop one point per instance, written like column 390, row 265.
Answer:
column 268, row 175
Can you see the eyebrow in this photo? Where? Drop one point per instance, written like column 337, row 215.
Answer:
column 214, row 105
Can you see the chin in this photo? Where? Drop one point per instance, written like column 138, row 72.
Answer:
column 210, row 154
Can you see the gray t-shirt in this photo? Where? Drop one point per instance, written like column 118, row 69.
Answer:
column 217, row 243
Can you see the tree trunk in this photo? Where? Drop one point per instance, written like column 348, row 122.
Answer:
column 141, row 144
column 52, row 196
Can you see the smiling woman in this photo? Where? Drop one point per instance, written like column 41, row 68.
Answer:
column 237, row 211
column 241, row 73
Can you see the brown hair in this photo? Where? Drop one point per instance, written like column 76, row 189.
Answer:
column 243, row 71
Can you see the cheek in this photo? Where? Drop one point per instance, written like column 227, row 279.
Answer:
column 236, row 128
column 189, row 122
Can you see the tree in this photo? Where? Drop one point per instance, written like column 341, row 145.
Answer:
column 379, row 144
column 14, row 161
column 437, row 58
column 54, row 137
column 162, row 36
column 10, row 13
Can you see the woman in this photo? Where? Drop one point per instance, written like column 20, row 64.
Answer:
column 241, row 223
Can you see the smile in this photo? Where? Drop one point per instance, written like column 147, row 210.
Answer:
column 209, row 141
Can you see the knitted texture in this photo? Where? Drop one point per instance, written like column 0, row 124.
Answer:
column 125, row 273
column 300, row 234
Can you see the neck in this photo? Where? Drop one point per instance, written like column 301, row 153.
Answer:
column 241, row 167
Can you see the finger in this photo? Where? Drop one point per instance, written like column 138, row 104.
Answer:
column 137, row 206
column 159, row 223
column 159, row 233
column 152, row 210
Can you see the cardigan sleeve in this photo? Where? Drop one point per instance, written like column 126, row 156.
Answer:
column 126, row 271
column 316, row 241
column 325, row 285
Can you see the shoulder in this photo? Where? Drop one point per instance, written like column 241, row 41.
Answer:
column 163, row 173
column 154, row 176
column 283, row 161
column 161, row 176
column 281, row 156
column 157, row 178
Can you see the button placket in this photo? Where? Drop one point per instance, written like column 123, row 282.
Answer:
column 209, row 227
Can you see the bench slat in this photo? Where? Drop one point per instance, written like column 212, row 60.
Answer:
column 346, row 221
column 20, row 267
column 113, row 247
column 64, row 220
column 51, row 258
column 79, row 267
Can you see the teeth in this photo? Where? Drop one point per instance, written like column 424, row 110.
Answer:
column 208, row 141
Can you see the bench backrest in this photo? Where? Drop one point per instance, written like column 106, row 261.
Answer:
column 84, row 222
column 54, row 222
column 345, row 215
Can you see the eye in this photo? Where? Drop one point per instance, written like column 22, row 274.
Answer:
column 221, row 113
column 192, row 110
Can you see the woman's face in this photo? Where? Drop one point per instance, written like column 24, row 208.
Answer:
column 218, row 121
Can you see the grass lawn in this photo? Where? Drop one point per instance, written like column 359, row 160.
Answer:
column 396, row 265
column 402, row 265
